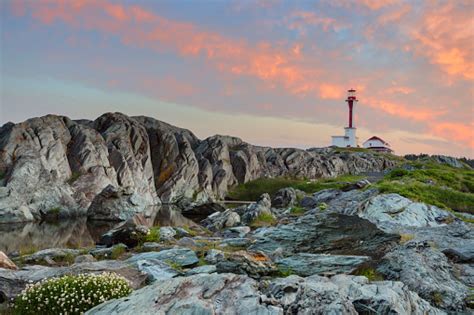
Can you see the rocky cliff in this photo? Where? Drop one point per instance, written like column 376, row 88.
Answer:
column 55, row 166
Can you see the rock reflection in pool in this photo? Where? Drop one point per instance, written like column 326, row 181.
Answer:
column 75, row 233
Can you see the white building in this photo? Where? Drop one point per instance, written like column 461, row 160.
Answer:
column 348, row 140
column 377, row 144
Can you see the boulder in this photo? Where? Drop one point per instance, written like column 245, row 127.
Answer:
column 129, row 233
column 390, row 211
column 156, row 270
column 305, row 264
column 235, row 242
column 237, row 231
column 6, row 263
column 116, row 204
column 261, row 207
column 220, row 220
column 213, row 256
column 284, row 198
column 167, row 233
column 426, row 271
column 181, row 256
column 343, row 294
column 253, row 264
column 108, row 252
column 84, row 259
column 322, row 232
column 51, row 256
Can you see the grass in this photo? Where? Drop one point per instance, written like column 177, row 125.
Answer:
column 405, row 238
column 174, row 265
column 74, row 177
column 432, row 183
column 264, row 219
column 284, row 272
column 117, row 252
column 370, row 273
column 153, row 235
column 297, row 211
column 437, row 298
column 253, row 189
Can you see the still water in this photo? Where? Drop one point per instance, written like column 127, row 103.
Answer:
column 75, row 233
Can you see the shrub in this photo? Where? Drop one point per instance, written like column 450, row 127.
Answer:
column 323, row 206
column 70, row 294
column 405, row 238
column 264, row 219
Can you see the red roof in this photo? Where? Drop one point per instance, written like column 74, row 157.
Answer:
column 377, row 138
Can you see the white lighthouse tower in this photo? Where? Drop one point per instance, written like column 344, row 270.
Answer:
column 349, row 139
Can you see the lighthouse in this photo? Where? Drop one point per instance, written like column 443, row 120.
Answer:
column 349, row 139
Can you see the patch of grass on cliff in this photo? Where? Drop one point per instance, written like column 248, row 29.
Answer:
column 370, row 273
column 263, row 219
column 74, row 176
column 297, row 211
column 250, row 191
column 436, row 184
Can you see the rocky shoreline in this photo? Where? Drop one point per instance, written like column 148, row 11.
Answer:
column 362, row 252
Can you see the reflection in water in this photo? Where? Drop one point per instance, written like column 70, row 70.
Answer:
column 76, row 233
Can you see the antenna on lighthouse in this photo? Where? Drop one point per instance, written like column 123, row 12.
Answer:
column 351, row 98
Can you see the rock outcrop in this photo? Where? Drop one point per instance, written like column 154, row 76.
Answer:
column 54, row 166
column 239, row 294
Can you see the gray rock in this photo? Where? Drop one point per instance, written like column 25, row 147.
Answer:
column 323, row 232
column 426, row 271
column 390, row 211
column 51, row 255
column 12, row 282
column 129, row 233
column 213, row 256
column 238, row 231
column 343, row 294
column 181, row 256
column 305, row 264
column 236, row 242
column 154, row 247
column 201, row 269
column 261, row 207
column 156, row 270
column 240, row 295
column 187, row 242
column 116, row 204
column 167, row 233
column 253, row 264
column 107, row 252
column 84, row 259
column 220, row 220
column 198, row 294
column 285, row 197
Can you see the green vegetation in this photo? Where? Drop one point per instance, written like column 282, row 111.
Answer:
column 264, row 219
column 54, row 211
column 117, row 252
column 323, row 206
column 70, row 294
column 437, row 184
column 405, row 238
column 174, row 265
column 74, row 177
column 153, row 235
column 437, row 298
column 284, row 272
column 370, row 273
column 297, row 211
column 2, row 175
column 252, row 190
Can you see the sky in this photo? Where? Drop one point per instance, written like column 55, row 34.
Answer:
column 271, row 72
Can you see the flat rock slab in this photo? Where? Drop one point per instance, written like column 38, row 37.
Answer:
column 182, row 256
column 305, row 264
